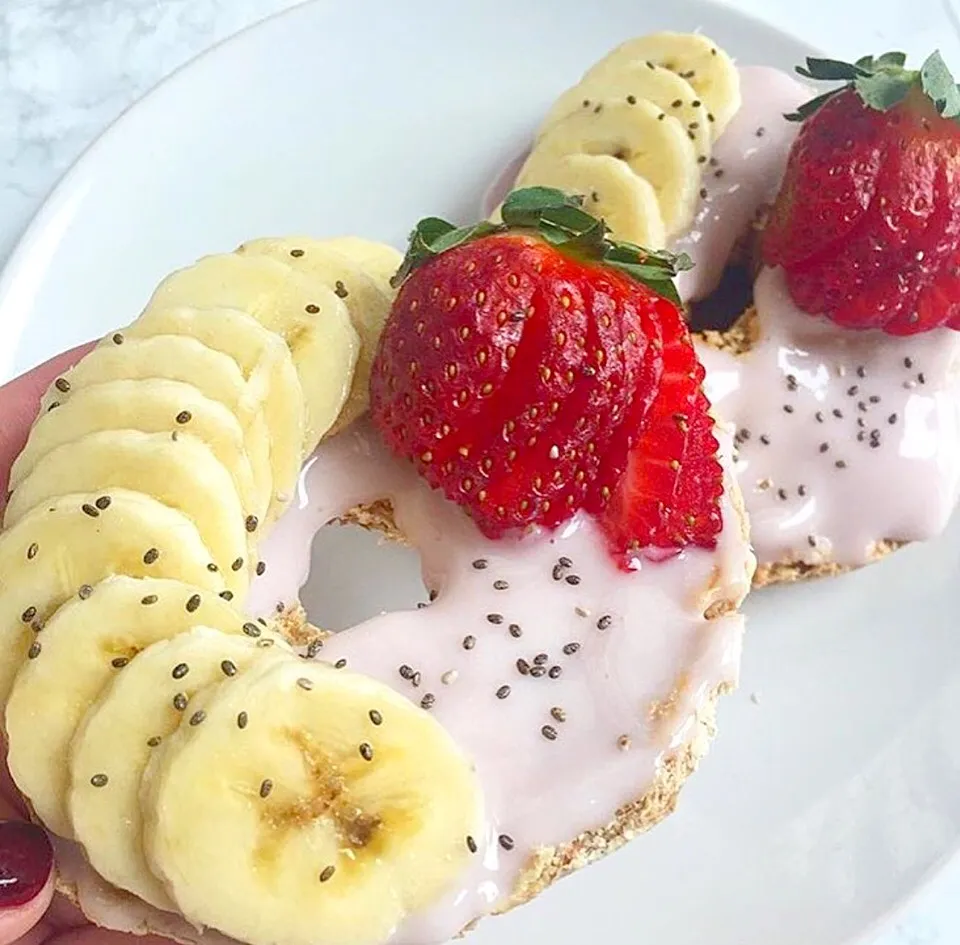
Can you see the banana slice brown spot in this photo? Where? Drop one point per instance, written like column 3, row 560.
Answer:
column 307, row 315
column 363, row 823
column 365, row 298
column 134, row 712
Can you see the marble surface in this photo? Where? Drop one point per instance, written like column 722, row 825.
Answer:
column 69, row 67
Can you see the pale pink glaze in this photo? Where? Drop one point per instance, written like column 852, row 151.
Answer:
column 810, row 400
column 743, row 174
column 537, row 791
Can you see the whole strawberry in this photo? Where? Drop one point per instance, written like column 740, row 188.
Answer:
column 867, row 221
column 523, row 363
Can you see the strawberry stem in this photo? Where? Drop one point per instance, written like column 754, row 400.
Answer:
column 883, row 82
column 560, row 220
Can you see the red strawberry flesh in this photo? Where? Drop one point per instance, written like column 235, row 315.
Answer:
column 868, row 217
column 669, row 496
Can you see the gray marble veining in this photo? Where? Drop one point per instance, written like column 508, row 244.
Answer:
column 69, row 67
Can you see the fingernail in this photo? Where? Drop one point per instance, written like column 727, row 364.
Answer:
column 26, row 859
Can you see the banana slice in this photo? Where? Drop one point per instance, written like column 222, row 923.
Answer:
column 133, row 714
column 378, row 260
column 151, row 406
column 175, row 358
column 266, row 365
column 85, row 644
column 368, row 815
column 653, row 144
column 180, row 472
column 308, row 316
column 64, row 547
column 611, row 190
column 632, row 83
column 694, row 57
column 366, row 302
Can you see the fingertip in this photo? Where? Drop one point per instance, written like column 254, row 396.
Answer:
column 26, row 878
column 20, row 401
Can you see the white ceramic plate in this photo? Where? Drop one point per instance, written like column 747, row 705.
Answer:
column 834, row 788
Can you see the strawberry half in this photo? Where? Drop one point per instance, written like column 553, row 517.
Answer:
column 669, row 497
column 869, row 210
column 521, row 365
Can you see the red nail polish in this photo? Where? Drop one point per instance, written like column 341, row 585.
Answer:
column 26, row 859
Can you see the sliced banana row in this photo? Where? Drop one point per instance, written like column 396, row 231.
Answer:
column 651, row 108
column 136, row 693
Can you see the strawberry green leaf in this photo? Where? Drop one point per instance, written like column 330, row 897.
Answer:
column 560, row 220
column 883, row 82
column 939, row 86
column 830, row 70
column 532, row 200
column 882, row 90
column 433, row 236
column 656, row 270
column 808, row 108
column 891, row 59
